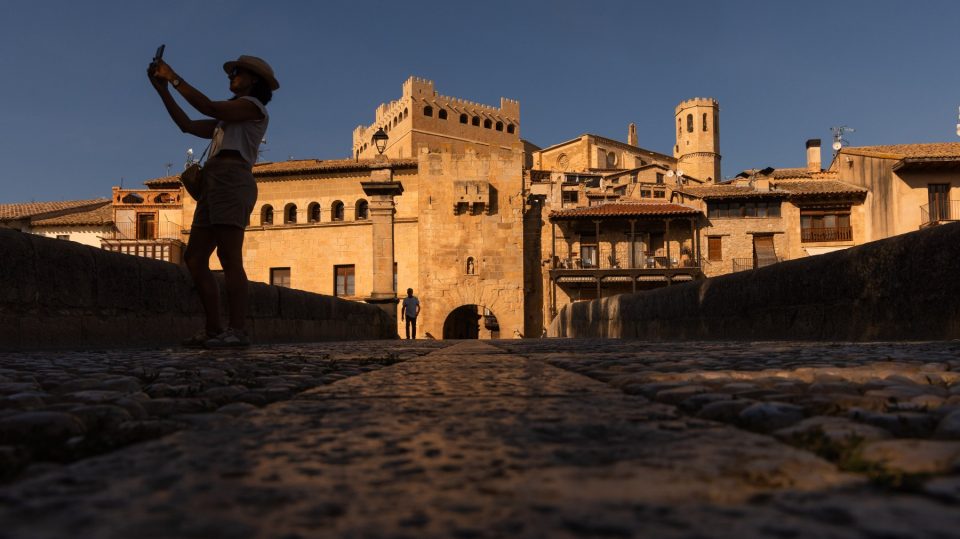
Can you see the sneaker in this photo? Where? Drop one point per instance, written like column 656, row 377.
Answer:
column 230, row 338
column 199, row 339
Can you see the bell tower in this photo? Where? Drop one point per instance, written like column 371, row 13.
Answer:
column 697, row 150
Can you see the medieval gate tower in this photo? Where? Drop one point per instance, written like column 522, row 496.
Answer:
column 698, row 138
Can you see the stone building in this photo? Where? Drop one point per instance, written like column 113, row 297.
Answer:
column 148, row 222
column 82, row 221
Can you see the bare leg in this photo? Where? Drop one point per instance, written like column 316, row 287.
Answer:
column 197, row 257
column 230, row 251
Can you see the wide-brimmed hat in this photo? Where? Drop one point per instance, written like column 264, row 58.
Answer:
column 256, row 65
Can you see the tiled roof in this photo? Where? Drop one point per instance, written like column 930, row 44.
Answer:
column 624, row 209
column 904, row 151
column 302, row 166
column 9, row 212
column 97, row 217
column 728, row 191
column 818, row 187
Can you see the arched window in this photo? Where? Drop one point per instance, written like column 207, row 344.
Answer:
column 163, row 198
column 290, row 213
column 463, row 118
column 704, row 121
column 499, row 126
column 476, row 121
column 361, row 212
column 132, row 198
column 394, row 122
column 266, row 215
column 428, row 111
column 442, row 114
column 487, row 123
column 336, row 211
column 405, row 112
column 313, row 213
column 511, row 128
column 471, row 266
column 679, row 127
column 689, row 123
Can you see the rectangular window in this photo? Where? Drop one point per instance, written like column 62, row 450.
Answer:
column 569, row 198
column 146, row 226
column 659, row 193
column 938, row 197
column 645, row 193
column 588, row 250
column 344, row 280
column 825, row 225
column 280, row 277
column 659, row 178
column 714, row 248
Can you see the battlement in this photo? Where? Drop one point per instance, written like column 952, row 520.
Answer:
column 697, row 102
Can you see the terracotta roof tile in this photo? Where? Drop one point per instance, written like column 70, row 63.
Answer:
column 903, row 151
column 818, row 187
column 9, row 212
column 624, row 209
column 728, row 191
column 97, row 217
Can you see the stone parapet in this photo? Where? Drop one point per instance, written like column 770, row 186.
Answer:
column 901, row 288
column 60, row 294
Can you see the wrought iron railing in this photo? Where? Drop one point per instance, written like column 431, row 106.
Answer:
column 744, row 264
column 945, row 210
column 839, row 233
column 165, row 230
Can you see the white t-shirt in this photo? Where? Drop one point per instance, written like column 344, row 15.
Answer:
column 410, row 304
column 244, row 137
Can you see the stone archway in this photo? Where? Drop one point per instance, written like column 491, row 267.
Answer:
column 471, row 322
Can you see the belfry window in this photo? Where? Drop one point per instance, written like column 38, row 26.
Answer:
column 487, row 123
column 704, row 121
column 313, row 213
column 511, row 128
column 336, row 211
column 442, row 114
column 499, row 126
column 428, row 111
column 689, row 123
column 476, row 121
column 266, row 215
column 463, row 118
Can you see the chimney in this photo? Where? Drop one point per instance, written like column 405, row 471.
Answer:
column 632, row 134
column 813, row 155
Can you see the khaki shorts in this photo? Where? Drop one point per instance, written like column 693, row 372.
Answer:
column 229, row 194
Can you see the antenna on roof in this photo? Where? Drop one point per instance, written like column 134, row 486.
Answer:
column 838, row 140
column 168, row 165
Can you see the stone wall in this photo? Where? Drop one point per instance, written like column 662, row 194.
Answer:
column 59, row 294
column 901, row 288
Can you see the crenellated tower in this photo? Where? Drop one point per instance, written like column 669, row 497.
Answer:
column 697, row 150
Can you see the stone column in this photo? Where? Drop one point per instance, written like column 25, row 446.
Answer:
column 382, row 189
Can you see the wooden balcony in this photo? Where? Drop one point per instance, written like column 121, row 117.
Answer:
column 813, row 235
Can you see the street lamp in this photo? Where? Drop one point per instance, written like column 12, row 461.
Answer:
column 380, row 139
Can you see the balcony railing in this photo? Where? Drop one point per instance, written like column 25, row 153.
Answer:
column 645, row 261
column 840, row 233
column 945, row 210
column 165, row 230
column 744, row 264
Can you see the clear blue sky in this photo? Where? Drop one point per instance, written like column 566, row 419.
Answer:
column 79, row 114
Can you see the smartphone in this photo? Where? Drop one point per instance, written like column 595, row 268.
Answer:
column 159, row 55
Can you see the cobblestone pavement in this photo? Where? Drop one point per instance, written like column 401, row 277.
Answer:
column 477, row 440
column 60, row 407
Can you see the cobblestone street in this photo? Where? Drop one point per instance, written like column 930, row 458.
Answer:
column 538, row 438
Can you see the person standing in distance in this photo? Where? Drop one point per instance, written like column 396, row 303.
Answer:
column 236, row 127
column 409, row 312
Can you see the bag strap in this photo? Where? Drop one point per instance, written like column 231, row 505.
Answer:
column 204, row 154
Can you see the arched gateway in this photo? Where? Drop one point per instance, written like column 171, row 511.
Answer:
column 471, row 322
